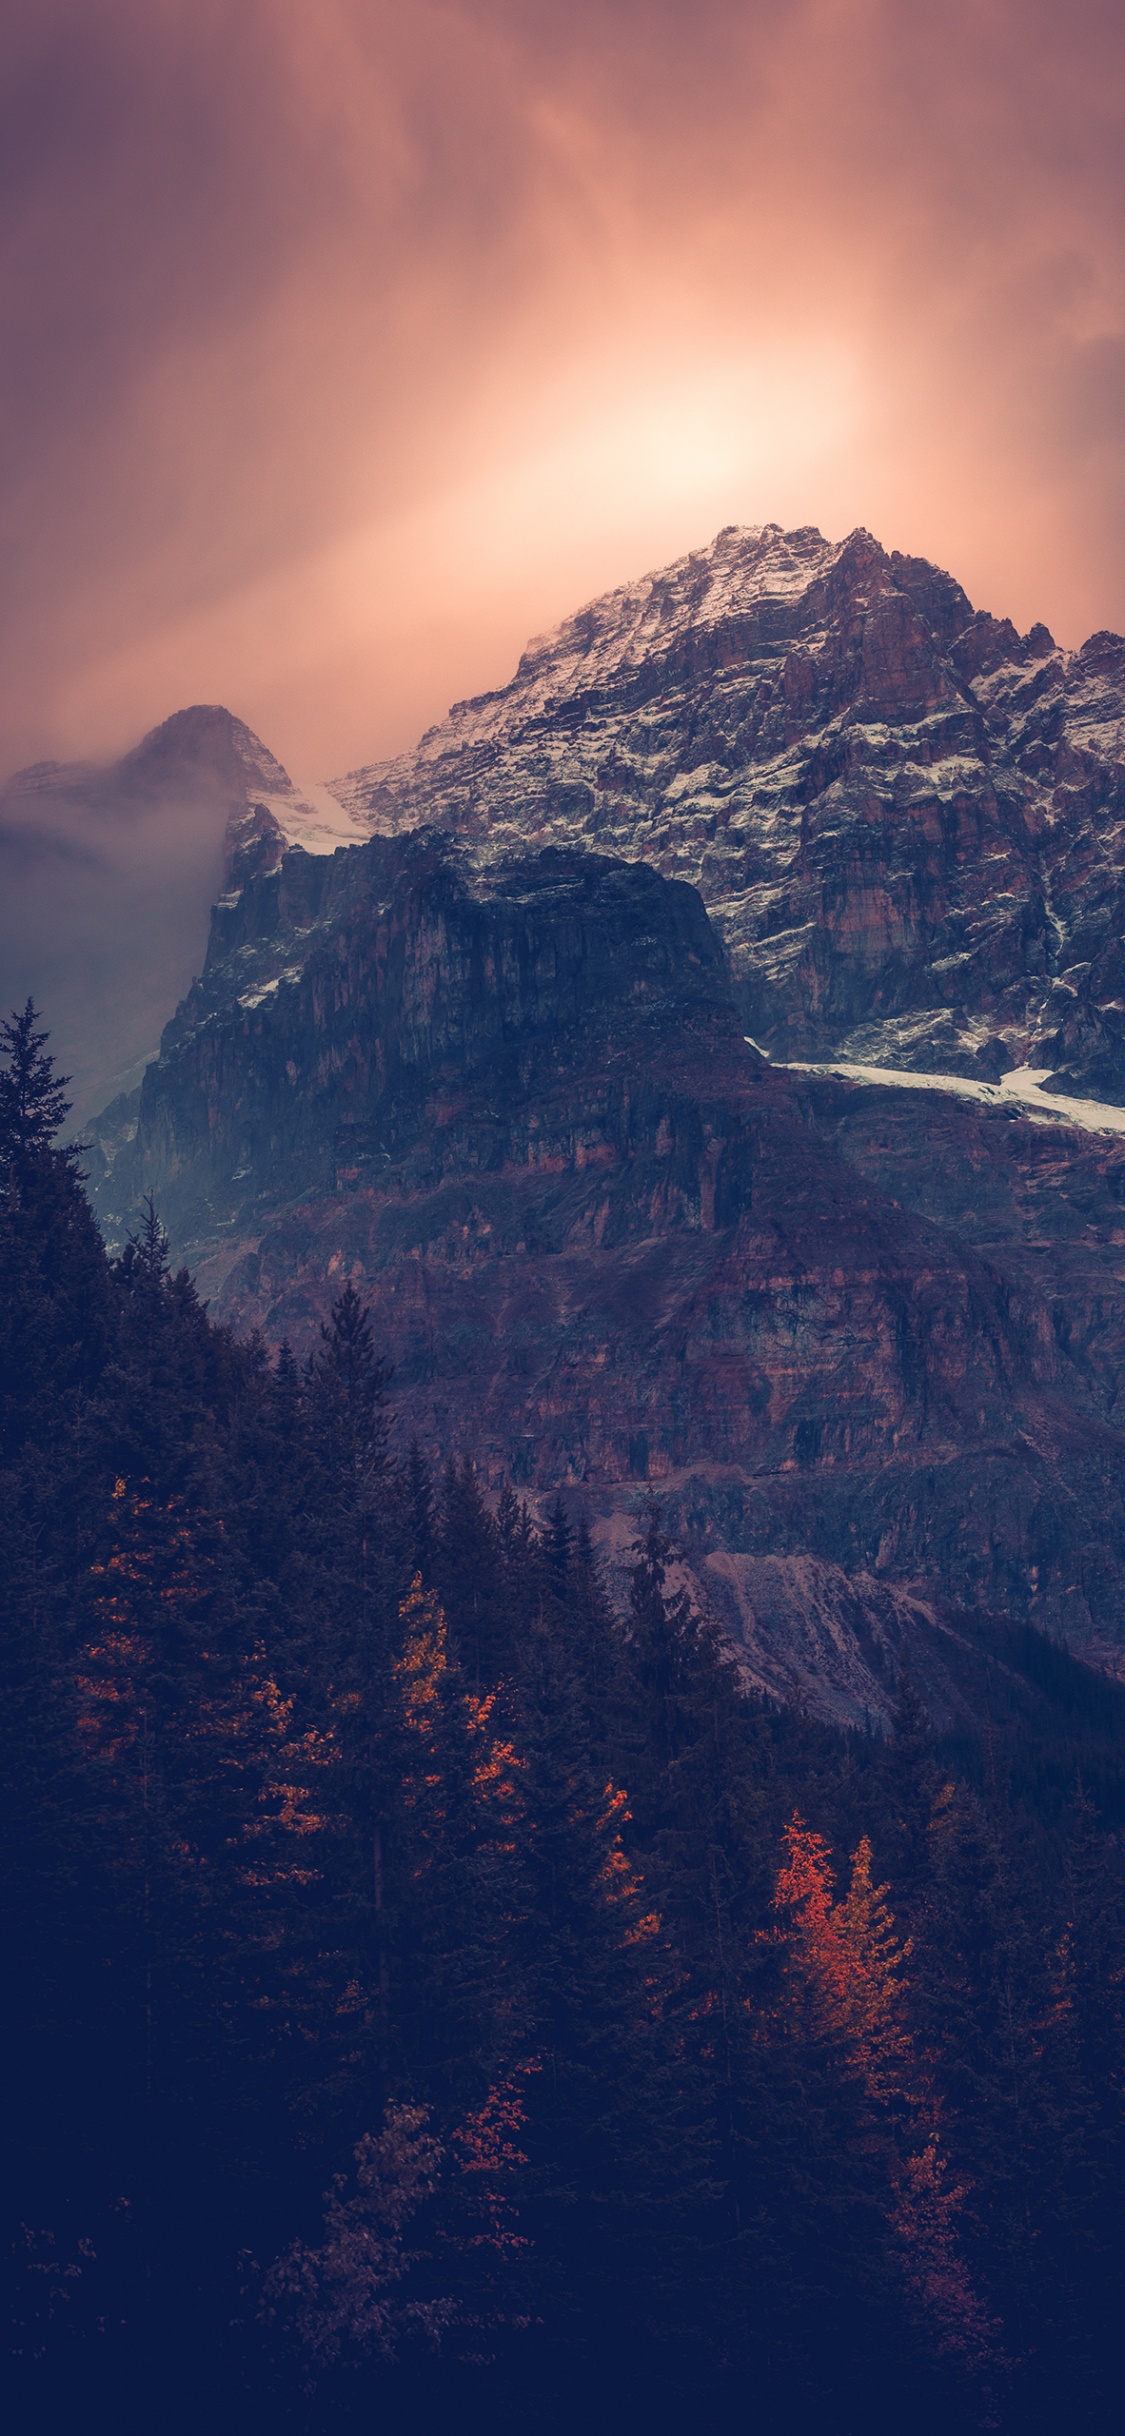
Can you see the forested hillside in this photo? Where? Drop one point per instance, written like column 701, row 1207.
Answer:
column 438, row 1998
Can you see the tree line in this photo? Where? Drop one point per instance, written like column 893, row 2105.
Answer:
column 439, row 1991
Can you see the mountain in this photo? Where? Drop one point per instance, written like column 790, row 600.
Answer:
column 728, row 2054
column 108, row 872
column 863, row 1343
column 855, row 1309
column 905, row 819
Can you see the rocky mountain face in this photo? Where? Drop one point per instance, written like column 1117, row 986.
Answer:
column 863, row 1343
column 107, row 872
column 491, row 1064
column 905, row 819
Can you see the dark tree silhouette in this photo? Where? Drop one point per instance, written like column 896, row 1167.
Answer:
column 33, row 1101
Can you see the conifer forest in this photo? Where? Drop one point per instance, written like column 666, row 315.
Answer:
column 438, row 1995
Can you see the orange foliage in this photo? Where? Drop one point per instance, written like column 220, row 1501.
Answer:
column 424, row 1657
column 228, row 1711
column 936, row 2278
column 498, row 1769
column 845, row 1958
column 846, row 1979
column 486, row 2144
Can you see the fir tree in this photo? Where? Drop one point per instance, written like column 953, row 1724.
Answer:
column 470, row 1578
column 347, row 1400
column 558, row 1546
column 418, row 1521
column 618, row 2180
column 910, row 1780
column 33, row 1102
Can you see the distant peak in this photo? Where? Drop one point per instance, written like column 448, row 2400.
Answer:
column 208, row 735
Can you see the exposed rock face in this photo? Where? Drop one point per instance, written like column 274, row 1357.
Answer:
column 363, row 1010
column 839, row 1643
column 905, row 818
column 106, row 876
column 867, row 1342
column 609, row 1246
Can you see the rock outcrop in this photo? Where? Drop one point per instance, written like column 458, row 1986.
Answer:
column 907, row 820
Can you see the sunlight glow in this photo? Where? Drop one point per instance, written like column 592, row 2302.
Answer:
column 411, row 610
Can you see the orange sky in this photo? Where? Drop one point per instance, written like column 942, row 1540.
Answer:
column 347, row 342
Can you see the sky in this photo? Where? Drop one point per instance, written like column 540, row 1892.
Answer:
column 346, row 343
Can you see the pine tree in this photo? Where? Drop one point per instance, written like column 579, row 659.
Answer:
column 845, row 1996
column 56, row 1338
column 347, row 1401
column 418, row 1501
column 470, row 1578
column 33, row 1102
column 1080, row 2211
column 909, row 1776
column 558, row 1548
column 618, row 2180
column 457, row 1771
column 984, row 2000
column 55, row 1300
column 527, row 1584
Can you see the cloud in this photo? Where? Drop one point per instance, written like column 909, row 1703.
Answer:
column 344, row 343
column 28, row 849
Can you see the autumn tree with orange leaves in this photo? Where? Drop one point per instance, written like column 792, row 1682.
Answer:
column 844, row 1984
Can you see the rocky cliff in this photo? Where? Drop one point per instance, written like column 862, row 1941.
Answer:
column 609, row 1246
column 905, row 818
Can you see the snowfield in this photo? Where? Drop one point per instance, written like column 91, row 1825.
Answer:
column 1022, row 1089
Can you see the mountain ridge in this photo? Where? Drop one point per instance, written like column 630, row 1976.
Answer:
column 905, row 818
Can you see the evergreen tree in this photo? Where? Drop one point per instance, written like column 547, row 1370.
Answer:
column 55, row 1299
column 33, row 1102
column 1080, row 2206
column 558, row 1548
column 470, row 1578
column 418, row 1502
column 571, row 1602
column 910, row 1781
column 347, row 1403
column 618, row 2180
column 984, row 1999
